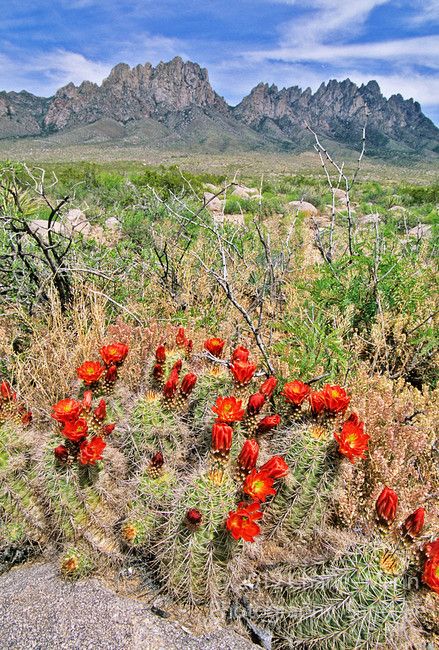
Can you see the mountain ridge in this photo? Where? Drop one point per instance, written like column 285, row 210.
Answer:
column 177, row 96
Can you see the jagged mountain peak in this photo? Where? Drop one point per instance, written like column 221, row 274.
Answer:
column 177, row 95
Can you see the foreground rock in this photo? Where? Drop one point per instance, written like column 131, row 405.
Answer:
column 303, row 206
column 38, row 610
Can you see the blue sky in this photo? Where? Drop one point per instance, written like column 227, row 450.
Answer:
column 44, row 44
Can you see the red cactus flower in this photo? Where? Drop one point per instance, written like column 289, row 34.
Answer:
column 6, row 391
column 108, row 428
column 432, row 548
column 413, row 525
column 114, row 353
column 295, row 392
column 430, row 573
column 66, row 410
column 242, row 522
column 248, row 457
column 317, row 402
column 386, row 505
column 255, row 403
column 336, row 399
column 275, row 467
column 90, row 372
column 76, row 430
column 258, row 485
column 100, row 411
column 240, row 354
column 268, row 387
column 111, row 374
column 243, row 372
column 188, row 383
column 221, row 437
column 352, row 440
column 194, row 517
column 91, row 452
column 61, row 453
column 228, row 409
column 157, row 460
column 87, row 400
column 26, row 418
column 160, row 354
column 170, row 388
column 268, row 423
column 215, row 346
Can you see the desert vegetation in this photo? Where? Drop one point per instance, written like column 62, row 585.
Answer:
column 226, row 388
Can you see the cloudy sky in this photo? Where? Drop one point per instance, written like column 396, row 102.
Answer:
column 44, row 44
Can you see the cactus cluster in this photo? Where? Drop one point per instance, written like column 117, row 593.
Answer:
column 211, row 458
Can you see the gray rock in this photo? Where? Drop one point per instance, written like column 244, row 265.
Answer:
column 213, row 203
column 39, row 611
column 420, row 231
column 113, row 223
column 369, row 218
column 303, row 206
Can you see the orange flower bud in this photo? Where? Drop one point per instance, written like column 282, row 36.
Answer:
column 255, row 403
column 221, row 437
column 243, row 372
column 317, row 402
column 100, row 411
column 61, row 453
column 268, row 423
column 248, row 457
column 194, row 517
column 240, row 354
column 170, row 388
column 157, row 460
column 6, row 391
column 268, row 387
column 111, row 374
column 276, row 467
column 188, row 384
column 87, row 400
column 160, row 354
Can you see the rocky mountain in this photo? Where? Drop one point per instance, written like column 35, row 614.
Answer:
column 173, row 105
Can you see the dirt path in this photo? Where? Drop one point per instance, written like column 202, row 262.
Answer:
column 39, row 611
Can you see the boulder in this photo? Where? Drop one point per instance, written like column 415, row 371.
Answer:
column 369, row 218
column 340, row 195
column 303, row 206
column 78, row 221
column 397, row 208
column 40, row 228
column 213, row 203
column 420, row 231
column 244, row 192
column 112, row 223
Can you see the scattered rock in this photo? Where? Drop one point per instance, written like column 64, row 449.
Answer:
column 213, row 203
column 78, row 221
column 237, row 219
column 397, row 208
column 420, row 231
column 303, row 206
column 113, row 223
column 369, row 218
column 41, row 229
column 244, row 192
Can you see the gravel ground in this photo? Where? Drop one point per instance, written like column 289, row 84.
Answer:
column 39, row 611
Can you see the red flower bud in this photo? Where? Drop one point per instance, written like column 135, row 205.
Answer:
column 157, row 371
column 317, row 402
column 86, row 400
column 194, row 517
column 188, row 384
column 177, row 365
column 61, row 453
column 430, row 574
column 111, row 374
column 276, row 467
column 180, row 338
column 240, row 354
column 414, row 523
column 248, row 457
column 221, row 437
column 268, row 387
column 295, row 392
column 6, row 391
column 386, row 505
column 160, row 354
column 255, row 403
column 100, row 411
column 268, row 423
column 26, row 418
column 157, row 460
column 170, row 388
column 215, row 346
column 189, row 346
column 243, row 372
column 108, row 428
